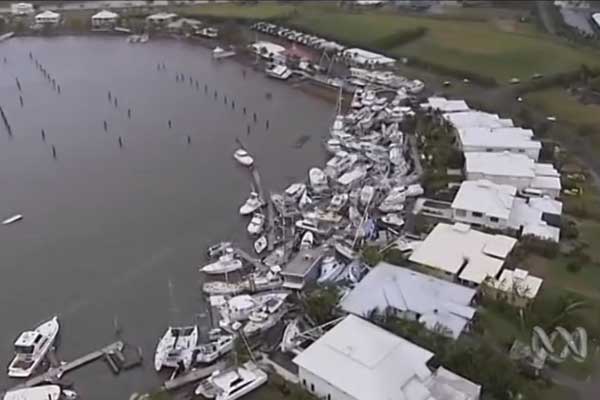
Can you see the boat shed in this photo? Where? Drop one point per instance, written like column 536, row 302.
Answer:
column 104, row 20
column 357, row 360
column 436, row 303
column 302, row 269
column 47, row 18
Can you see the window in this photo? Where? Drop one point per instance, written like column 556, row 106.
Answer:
column 494, row 219
column 521, row 150
column 489, row 150
column 312, row 387
column 304, row 382
column 328, row 397
column 461, row 213
column 477, row 214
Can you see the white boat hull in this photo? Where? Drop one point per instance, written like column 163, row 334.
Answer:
column 23, row 367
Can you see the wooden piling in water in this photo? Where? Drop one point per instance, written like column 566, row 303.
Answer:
column 120, row 141
column 255, row 119
column 53, row 151
column 116, row 102
column 129, row 113
column 21, row 100
column 109, row 96
column 189, row 139
column 105, row 125
column 43, row 135
column 267, row 124
column 170, row 124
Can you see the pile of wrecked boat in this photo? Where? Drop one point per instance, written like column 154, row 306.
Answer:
column 357, row 198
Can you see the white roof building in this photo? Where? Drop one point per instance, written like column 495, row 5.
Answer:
column 47, row 17
column 413, row 295
column 484, row 203
column 458, row 251
column 444, row 105
column 21, row 8
column 537, row 216
column 500, row 139
column 364, row 57
column 104, row 18
column 514, row 169
column 474, row 118
column 357, row 360
column 161, row 18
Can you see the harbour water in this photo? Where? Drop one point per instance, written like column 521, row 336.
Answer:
column 105, row 227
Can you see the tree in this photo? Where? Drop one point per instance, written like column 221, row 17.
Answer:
column 371, row 256
column 321, row 304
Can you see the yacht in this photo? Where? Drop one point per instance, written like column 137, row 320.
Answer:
column 257, row 224
column 295, row 190
column 225, row 264
column 253, row 203
column 369, row 98
column 394, row 220
column 219, row 52
column 260, row 244
column 175, row 348
column 330, row 269
column 305, row 201
column 308, row 240
column 394, row 201
column 317, row 179
column 341, row 162
column 337, row 128
column 232, row 384
column 239, row 308
column 333, row 146
column 338, row 202
column 259, row 322
column 210, row 352
column 366, row 195
column 243, row 157
column 218, row 249
column 45, row 392
column 279, row 72
column 31, row 347
column 210, row 33
column 308, row 225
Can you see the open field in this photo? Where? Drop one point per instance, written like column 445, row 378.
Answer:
column 263, row 10
column 558, row 102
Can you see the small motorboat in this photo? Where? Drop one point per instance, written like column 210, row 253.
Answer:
column 257, row 224
column 243, row 157
column 305, row 201
column 227, row 263
column 144, row 38
column 295, row 190
column 291, row 332
column 338, row 202
column 366, row 195
column 175, row 348
column 394, row 220
column 260, row 244
column 218, row 249
column 253, row 203
column 232, row 384
column 308, row 240
column 31, row 348
column 330, row 269
column 13, row 219
column 333, row 146
column 317, row 180
column 210, row 352
column 219, row 52
column 394, row 201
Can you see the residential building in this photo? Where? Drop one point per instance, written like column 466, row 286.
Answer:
column 357, row 360
column 161, row 19
column 47, row 18
column 366, row 58
column 438, row 304
column 517, row 287
column 184, row 25
column 537, row 216
column 302, row 269
column 498, row 139
column 104, row 20
column 483, row 203
column 518, row 170
column 459, row 252
column 22, row 9
column 444, row 105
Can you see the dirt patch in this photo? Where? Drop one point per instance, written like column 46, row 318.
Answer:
column 505, row 25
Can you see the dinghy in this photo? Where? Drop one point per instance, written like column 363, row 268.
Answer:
column 243, row 157
column 260, row 244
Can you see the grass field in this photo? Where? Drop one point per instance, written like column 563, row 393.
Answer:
column 566, row 108
column 499, row 50
column 262, row 10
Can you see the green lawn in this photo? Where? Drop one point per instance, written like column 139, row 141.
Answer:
column 565, row 107
column 482, row 47
column 262, row 10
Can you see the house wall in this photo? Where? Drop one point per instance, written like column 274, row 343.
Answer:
column 534, row 154
column 469, row 217
column 320, row 387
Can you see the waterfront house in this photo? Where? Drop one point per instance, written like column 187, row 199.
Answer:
column 483, row 203
column 537, row 216
column 104, row 20
column 518, row 170
column 444, row 105
column 357, row 360
column 20, row 9
column 436, row 303
column 302, row 269
column 516, row 287
column 47, row 18
column 184, row 26
column 459, row 252
column 161, row 19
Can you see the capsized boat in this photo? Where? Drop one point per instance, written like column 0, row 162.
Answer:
column 31, row 348
column 225, row 264
column 210, row 352
column 256, row 224
column 260, row 244
column 13, row 219
column 253, row 203
column 233, row 383
column 175, row 349
column 243, row 157
column 330, row 269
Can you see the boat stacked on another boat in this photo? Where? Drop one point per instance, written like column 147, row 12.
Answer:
column 176, row 348
column 233, row 383
column 31, row 348
column 210, row 352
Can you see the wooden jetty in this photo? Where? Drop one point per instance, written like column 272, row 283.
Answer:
column 193, row 376
column 55, row 373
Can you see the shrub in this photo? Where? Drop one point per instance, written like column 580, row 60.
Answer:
column 541, row 247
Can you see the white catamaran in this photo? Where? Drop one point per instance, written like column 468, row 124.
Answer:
column 175, row 349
